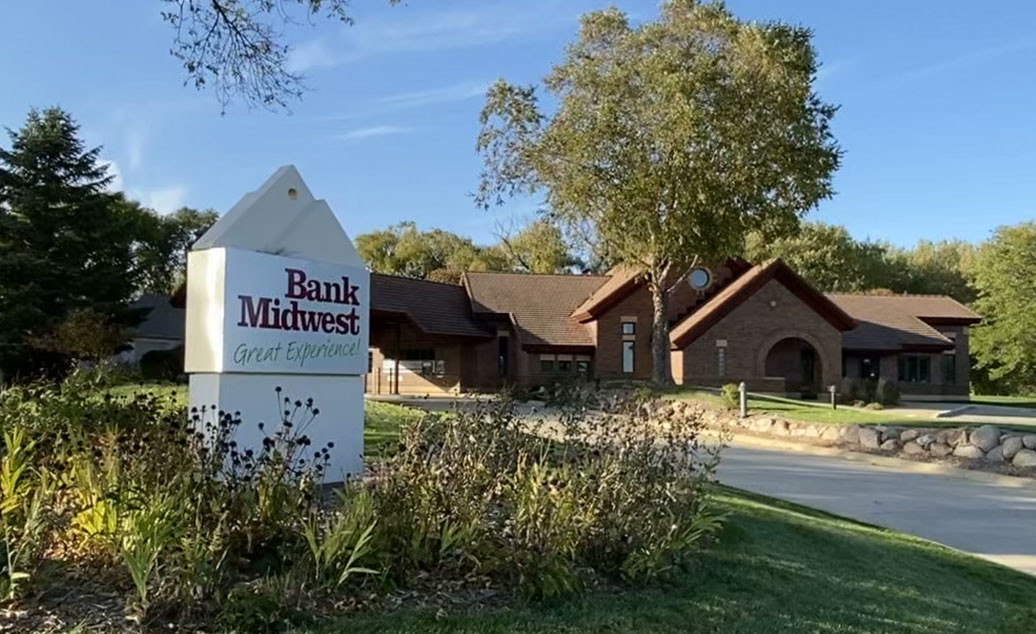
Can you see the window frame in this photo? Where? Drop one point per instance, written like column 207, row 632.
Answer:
column 629, row 354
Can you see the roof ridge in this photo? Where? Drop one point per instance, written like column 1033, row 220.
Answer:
column 417, row 279
column 867, row 294
column 521, row 274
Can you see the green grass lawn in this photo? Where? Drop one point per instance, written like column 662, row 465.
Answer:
column 382, row 420
column 1003, row 401
column 777, row 567
column 806, row 411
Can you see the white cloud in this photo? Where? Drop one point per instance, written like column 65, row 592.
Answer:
column 164, row 200
column 310, row 55
column 445, row 94
column 406, row 30
column 373, row 131
column 116, row 184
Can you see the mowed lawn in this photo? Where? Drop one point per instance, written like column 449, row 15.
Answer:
column 777, row 567
column 381, row 420
column 818, row 411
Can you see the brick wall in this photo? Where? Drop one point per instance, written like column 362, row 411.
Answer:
column 608, row 329
column 750, row 331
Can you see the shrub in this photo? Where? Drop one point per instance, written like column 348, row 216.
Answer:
column 731, row 395
column 887, row 392
column 167, row 508
column 849, row 390
column 162, row 365
column 481, row 492
column 868, row 391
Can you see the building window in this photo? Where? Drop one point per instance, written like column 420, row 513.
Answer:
column 583, row 366
column 627, row 357
column 629, row 328
column 370, row 361
column 503, row 356
column 949, row 369
column 547, row 363
column 565, row 363
column 721, row 362
column 915, row 369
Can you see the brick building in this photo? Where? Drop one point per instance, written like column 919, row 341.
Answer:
column 762, row 324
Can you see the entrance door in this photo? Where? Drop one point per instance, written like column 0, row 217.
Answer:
column 808, row 365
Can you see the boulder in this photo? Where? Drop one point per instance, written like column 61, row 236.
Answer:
column 1029, row 440
column 969, row 451
column 1011, row 446
column 926, row 440
column 870, row 437
column 850, row 434
column 958, row 437
column 891, row 433
column 940, row 450
column 890, row 445
column 912, row 448
column 985, row 437
column 831, row 433
column 996, row 454
column 910, row 434
column 1024, row 458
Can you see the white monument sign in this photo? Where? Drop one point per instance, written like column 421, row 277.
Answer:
column 277, row 297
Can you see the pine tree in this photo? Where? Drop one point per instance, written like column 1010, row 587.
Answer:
column 65, row 243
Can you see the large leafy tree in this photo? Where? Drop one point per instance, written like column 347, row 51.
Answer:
column 826, row 256
column 65, row 242
column 941, row 268
column 669, row 142
column 163, row 242
column 539, row 247
column 1004, row 344
column 435, row 254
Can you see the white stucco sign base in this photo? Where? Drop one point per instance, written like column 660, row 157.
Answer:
column 277, row 297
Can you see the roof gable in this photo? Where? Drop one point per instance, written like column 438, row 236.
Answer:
column 540, row 306
column 898, row 322
column 435, row 308
column 734, row 294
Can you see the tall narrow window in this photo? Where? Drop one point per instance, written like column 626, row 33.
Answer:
column 627, row 357
column 949, row 369
column 721, row 362
column 629, row 328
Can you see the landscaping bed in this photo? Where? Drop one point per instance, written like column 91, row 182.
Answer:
column 979, row 447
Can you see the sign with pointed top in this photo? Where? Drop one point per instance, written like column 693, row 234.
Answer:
column 277, row 307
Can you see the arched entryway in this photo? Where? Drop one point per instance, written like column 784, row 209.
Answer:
column 797, row 362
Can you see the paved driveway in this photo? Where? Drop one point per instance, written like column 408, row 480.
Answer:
column 964, row 413
column 994, row 521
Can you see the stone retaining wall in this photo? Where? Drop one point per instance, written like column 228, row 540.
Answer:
column 982, row 447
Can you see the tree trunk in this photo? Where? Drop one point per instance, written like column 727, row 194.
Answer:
column 661, row 370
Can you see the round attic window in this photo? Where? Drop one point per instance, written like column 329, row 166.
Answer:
column 293, row 194
column 699, row 278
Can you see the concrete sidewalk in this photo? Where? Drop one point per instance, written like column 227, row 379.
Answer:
column 994, row 519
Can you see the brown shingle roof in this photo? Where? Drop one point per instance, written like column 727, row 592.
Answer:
column 540, row 305
column 895, row 322
column 435, row 308
column 620, row 280
column 719, row 306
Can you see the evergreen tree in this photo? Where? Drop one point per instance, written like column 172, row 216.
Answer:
column 65, row 242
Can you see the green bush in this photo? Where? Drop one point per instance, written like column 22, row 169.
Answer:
column 849, row 390
column 165, row 506
column 162, row 365
column 886, row 392
column 731, row 395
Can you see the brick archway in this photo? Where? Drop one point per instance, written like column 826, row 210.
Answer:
column 798, row 357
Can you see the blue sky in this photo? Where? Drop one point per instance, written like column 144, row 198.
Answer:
column 938, row 106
